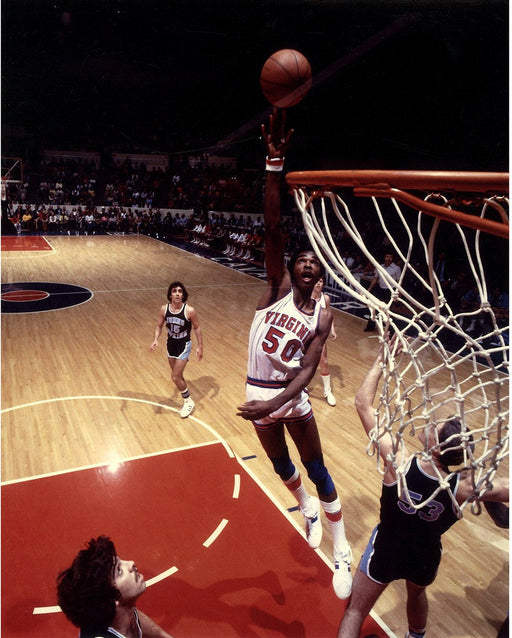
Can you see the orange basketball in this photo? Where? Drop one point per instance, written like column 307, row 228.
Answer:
column 285, row 78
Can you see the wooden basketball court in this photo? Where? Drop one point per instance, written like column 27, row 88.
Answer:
column 82, row 391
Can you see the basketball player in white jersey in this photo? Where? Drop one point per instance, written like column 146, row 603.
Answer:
column 325, row 302
column 285, row 344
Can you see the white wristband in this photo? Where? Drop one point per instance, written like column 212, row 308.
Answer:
column 274, row 164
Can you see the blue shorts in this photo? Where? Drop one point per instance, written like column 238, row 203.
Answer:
column 297, row 410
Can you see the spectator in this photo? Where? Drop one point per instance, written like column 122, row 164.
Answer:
column 380, row 284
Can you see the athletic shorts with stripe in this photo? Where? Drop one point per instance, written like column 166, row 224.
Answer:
column 297, row 410
column 388, row 558
column 179, row 349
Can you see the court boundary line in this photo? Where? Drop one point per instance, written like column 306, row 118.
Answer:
column 29, row 253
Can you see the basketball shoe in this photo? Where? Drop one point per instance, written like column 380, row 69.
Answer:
column 329, row 397
column 342, row 577
column 187, row 408
column 313, row 523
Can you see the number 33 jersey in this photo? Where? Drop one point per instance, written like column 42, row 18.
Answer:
column 279, row 337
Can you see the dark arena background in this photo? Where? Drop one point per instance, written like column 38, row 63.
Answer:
column 419, row 84
column 131, row 157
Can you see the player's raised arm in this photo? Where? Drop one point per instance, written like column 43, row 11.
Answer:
column 365, row 398
column 276, row 141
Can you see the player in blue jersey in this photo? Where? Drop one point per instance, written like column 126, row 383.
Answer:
column 287, row 336
column 406, row 544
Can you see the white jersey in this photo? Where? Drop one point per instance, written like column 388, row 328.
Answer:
column 278, row 339
column 393, row 270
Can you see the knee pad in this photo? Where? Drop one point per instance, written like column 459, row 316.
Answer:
column 283, row 466
column 320, row 476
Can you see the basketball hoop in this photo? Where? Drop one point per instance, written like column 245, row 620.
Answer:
column 12, row 173
column 446, row 367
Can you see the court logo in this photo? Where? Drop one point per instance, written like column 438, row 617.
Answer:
column 21, row 297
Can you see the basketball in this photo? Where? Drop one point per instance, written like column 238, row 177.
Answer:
column 286, row 78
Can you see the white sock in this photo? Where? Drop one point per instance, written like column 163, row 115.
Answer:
column 326, row 378
column 300, row 494
column 336, row 524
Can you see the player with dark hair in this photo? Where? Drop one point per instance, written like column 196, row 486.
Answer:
column 406, row 544
column 179, row 318
column 99, row 591
column 285, row 344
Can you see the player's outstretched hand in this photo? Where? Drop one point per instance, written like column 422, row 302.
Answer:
column 276, row 138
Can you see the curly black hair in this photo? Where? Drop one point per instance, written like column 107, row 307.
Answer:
column 85, row 591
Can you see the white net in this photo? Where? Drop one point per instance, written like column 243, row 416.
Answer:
column 454, row 347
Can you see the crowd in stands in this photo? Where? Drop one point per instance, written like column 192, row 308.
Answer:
column 187, row 201
column 184, row 185
column 235, row 237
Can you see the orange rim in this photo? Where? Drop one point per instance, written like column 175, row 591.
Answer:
column 497, row 183
column 384, row 183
